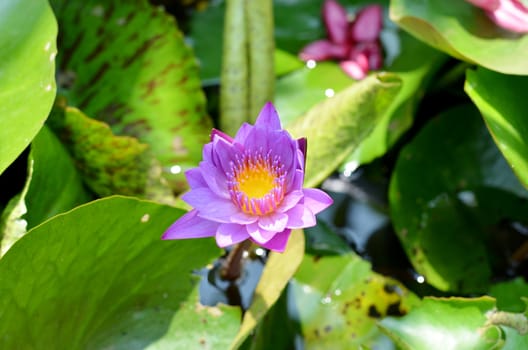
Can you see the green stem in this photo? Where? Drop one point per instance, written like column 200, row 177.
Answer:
column 234, row 79
column 259, row 22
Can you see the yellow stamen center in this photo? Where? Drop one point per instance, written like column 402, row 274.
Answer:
column 255, row 181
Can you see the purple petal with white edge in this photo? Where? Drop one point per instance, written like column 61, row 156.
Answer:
column 368, row 23
column 258, row 234
column 243, row 218
column 290, row 200
column 268, row 118
column 190, row 225
column 195, row 178
column 336, row 21
column 217, row 133
column 300, row 216
column 229, row 234
column 275, row 222
column 354, row 69
column 316, row 200
column 209, row 205
column 278, row 242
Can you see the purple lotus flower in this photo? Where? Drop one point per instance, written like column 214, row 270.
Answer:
column 508, row 14
column 355, row 44
column 250, row 187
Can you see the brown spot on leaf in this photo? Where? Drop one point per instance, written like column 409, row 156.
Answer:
column 141, row 50
column 373, row 312
column 95, row 52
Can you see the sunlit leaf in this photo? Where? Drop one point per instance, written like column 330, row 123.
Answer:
column 463, row 31
column 501, row 100
column 450, row 190
column 27, row 73
column 126, row 64
column 339, row 124
column 100, row 276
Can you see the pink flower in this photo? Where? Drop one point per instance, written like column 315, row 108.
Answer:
column 508, row 14
column 250, row 187
column 355, row 44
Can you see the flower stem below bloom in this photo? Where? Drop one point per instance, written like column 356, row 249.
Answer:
column 232, row 265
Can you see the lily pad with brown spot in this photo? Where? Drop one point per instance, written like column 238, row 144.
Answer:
column 339, row 300
column 126, row 63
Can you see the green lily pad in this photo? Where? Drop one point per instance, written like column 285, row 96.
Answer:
column 446, row 324
column 450, row 188
column 100, row 276
column 463, row 31
column 126, row 64
column 339, row 124
column 109, row 164
column 509, row 295
column 501, row 100
column 27, row 70
column 338, row 301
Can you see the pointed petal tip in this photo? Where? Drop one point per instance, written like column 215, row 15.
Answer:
column 268, row 117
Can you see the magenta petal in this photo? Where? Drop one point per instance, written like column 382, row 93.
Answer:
column 354, row 69
column 278, row 242
column 275, row 222
column 268, row 118
column 300, row 216
column 316, row 200
column 319, row 50
column 489, row 5
column 258, row 234
column 511, row 15
column 336, row 21
column 229, row 234
column 375, row 58
column 191, row 225
column 368, row 23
